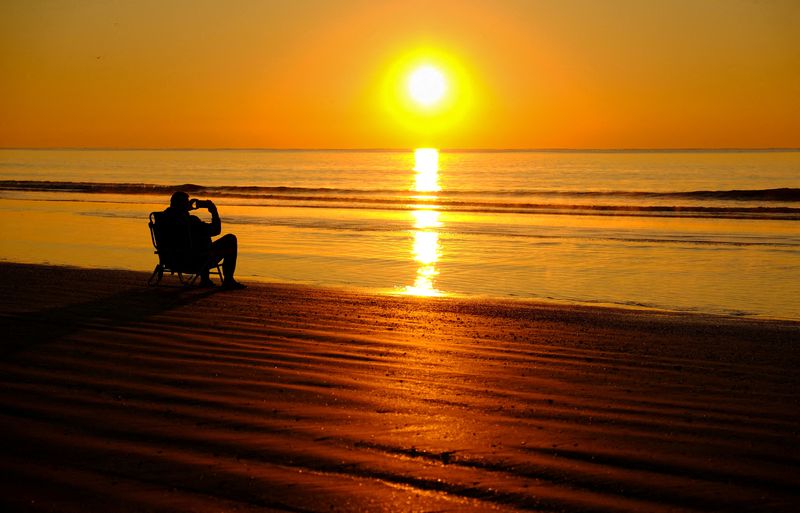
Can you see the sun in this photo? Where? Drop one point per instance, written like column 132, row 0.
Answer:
column 427, row 92
column 427, row 85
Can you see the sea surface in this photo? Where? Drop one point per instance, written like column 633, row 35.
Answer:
column 701, row 231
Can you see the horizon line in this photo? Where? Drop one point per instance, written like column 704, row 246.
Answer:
column 389, row 150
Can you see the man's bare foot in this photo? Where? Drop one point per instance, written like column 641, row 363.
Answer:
column 233, row 285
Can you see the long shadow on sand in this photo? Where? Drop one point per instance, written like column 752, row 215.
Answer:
column 29, row 330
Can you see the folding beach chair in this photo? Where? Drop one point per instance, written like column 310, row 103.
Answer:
column 176, row 252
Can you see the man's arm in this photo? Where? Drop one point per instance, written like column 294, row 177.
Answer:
column 215, row 227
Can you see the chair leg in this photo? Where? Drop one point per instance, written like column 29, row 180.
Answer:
column 187, row 279
column 155, row 278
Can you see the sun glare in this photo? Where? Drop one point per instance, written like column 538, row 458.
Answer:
column 427, row 85
column 429, row 93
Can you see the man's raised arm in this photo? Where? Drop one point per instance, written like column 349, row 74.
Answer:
column 215, row 228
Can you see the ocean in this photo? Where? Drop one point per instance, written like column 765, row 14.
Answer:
column 692, row 231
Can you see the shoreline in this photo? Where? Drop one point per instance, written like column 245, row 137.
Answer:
column 508, row 300
column 120, row 397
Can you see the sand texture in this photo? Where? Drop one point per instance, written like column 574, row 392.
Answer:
column 119, row 397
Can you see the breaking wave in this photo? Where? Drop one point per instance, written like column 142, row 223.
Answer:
column 757, row 203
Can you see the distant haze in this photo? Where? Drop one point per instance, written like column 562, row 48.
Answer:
column 311, row 74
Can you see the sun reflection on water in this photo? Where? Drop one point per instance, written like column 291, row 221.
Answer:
column 426, row 165
column 426, row 219
column 426, row 248
column 426, row 252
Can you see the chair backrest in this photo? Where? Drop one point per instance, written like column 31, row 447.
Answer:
column 172, row 240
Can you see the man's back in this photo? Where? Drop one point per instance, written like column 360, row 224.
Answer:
column 182, row 238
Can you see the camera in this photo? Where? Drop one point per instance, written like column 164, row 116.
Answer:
column 195, row 203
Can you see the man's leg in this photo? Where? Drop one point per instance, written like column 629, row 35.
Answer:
column 204, row 276
column 227, row 249
column 205, row 281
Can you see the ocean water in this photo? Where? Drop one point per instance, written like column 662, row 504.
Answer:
column 702, row 231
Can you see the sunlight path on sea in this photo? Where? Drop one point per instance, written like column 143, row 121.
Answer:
column 426, row 248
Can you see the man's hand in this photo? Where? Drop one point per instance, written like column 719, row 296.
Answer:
column 212, row 207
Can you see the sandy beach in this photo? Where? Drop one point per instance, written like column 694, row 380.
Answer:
column 120, row 397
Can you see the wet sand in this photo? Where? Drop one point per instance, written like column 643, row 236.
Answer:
column 119, row 397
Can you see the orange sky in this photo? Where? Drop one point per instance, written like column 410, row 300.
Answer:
column 313, row 74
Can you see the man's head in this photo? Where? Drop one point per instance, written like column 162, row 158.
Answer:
column 180, row 201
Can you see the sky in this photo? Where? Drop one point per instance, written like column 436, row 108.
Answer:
column 332, row 74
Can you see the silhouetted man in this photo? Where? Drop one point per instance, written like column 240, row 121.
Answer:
column 224, row 249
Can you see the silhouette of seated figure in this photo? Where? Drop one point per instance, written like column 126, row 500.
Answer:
column 185, row 241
